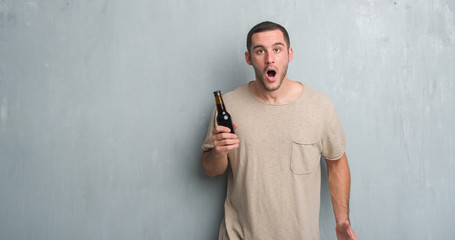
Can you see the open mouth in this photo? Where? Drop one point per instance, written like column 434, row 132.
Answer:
column 271, row 73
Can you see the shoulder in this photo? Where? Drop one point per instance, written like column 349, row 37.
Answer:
column 317, row 98
column 239, row 93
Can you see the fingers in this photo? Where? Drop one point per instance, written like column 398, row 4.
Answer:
column 221, row 136
column 344, row 231
column 226, row 148
column 219, row 129
column 223, row 140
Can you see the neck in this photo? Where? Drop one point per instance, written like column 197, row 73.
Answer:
column 288, row 92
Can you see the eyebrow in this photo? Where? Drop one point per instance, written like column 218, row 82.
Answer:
column 275, row 44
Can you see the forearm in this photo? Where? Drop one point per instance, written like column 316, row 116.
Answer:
column 214, row 163
column 339, row 185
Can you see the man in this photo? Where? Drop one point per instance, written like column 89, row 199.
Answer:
column 282, row 127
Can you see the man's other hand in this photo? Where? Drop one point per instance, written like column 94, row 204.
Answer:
column 344, row 231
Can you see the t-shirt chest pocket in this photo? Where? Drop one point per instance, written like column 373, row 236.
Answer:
column 305, row 156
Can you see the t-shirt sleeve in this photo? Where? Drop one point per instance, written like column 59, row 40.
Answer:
column 333, row 138
column 208, row 144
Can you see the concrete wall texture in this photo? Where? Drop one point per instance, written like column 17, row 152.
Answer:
column 104, row 105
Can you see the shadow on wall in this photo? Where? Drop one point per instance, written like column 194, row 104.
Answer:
column 226, row 74
column 326, row 216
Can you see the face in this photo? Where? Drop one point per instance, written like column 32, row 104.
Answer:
column 269, row 56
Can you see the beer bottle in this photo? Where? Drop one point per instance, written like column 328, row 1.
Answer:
column 223, row 118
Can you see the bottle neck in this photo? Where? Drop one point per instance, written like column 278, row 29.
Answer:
column 219, row 103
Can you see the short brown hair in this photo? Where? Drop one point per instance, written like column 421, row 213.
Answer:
column 267, row 26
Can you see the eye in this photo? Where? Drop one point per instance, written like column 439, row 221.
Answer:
column 277, row 50
column 260, row 51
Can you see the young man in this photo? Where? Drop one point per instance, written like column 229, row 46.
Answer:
column 282, row 129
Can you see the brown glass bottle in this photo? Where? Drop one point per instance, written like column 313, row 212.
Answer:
column 223, row 118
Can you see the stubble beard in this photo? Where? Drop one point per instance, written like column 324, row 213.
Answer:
column 262, row 79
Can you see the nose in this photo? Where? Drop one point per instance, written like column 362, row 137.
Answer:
column 270, row 58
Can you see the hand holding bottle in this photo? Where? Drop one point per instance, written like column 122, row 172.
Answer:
column 224, row 140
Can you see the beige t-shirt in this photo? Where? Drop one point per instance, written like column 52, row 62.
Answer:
column 274, row 178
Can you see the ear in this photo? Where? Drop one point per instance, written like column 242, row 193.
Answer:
column 291, row 54
column 248, row 58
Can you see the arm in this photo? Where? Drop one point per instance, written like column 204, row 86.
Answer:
column 339, row 185
column 215, row 161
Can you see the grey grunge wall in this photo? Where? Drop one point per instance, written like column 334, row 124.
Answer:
column 104, row 106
